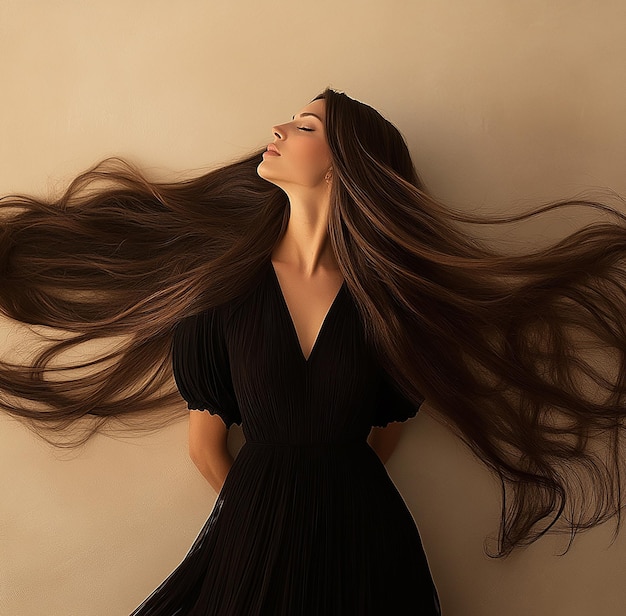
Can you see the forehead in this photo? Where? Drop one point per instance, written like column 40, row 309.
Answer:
column 318, row 107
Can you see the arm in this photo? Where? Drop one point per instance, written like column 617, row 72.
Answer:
column 208, row 447
column 384, row 440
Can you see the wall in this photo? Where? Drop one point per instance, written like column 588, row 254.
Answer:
column 503, row 104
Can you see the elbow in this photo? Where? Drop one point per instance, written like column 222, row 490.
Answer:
column 213, row 463
column 206, row 456
column 196, row 456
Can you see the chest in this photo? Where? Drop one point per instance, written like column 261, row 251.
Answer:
column 307, row 304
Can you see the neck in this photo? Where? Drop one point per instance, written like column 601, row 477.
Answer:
column 305, row 245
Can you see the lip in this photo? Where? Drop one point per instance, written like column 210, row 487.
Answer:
column 272, row 150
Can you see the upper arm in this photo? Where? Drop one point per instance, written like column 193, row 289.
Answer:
column 206, row 433
column 201, row 366
column 391, row 404
column 384, row 440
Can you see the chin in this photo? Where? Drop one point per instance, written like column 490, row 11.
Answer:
column 263, row 173
column 259, row 170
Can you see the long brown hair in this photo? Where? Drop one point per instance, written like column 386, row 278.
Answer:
column 490, row 340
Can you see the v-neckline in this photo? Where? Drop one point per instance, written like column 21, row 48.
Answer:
column 294, row 331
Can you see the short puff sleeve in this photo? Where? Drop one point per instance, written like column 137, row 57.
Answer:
column 391, row 404
column 201, row 366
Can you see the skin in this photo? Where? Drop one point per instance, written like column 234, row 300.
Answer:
column 305, row 265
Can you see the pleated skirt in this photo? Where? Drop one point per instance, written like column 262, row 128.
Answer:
column 302, row 530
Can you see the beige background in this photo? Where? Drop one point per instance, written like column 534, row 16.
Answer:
column 503, row 103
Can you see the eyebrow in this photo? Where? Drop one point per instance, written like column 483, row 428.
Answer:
column 309, row 114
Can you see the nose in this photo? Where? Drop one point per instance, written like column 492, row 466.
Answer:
column 278, row 132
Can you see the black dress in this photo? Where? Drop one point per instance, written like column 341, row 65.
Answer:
column 308, row 522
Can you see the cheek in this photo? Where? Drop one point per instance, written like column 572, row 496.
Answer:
column 315, row 156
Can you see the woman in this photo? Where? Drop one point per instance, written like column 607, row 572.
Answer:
column 315, row 293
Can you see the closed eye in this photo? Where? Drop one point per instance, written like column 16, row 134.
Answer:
column 304, row 128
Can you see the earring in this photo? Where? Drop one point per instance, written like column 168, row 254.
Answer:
column 328, row 176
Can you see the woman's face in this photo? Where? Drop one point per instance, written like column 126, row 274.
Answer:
column 304, row 156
